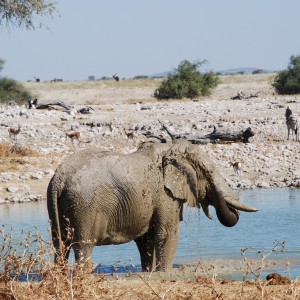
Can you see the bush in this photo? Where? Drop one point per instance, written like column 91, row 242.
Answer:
column 10, row 90
column 140, row 77
column 287, row 82
column 187, row 82
column 258, row 71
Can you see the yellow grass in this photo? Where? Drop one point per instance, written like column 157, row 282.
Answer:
column 138, row 90
column 13, row 156
column 95, row 84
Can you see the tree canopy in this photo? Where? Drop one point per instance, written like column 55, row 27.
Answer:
column 187, row 82
column 288, row 81
column 11, row 90
column 2, row 62
column 18, row 13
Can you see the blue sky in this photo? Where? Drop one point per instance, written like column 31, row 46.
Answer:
column 134, row 37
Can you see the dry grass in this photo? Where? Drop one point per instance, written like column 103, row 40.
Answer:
column 35, row 87
column 16, row 150
column 31, row 258
column 138, row 90
column 255, row 78
column 14, row 156
column 93, row 92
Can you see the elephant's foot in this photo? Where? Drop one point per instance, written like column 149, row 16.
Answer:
column 86, row 267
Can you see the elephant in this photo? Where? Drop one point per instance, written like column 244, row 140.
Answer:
column 100, row 198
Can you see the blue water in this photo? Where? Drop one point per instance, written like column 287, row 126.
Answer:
column 200, row 238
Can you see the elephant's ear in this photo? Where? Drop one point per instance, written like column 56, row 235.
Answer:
column 180, row 180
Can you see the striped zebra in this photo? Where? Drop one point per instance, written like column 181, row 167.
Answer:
column 292, row 124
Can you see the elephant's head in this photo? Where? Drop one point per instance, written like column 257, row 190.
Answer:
column 190, row 176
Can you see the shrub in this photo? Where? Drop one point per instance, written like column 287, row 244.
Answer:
column 10, row 89
column 187, row 82
column 2, row 62
column 287, row 82
column 258, row 71
column 140, row 77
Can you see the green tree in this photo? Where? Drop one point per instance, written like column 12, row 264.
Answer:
column 287, row 82
column 2, row 62
column 10, row 89
column 187, row 82
column 25, row 12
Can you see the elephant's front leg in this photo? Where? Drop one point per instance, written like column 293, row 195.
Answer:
column 145, row 245
column 165, row 247
column 166, row 233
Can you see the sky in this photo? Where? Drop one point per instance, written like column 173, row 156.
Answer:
column 133, row 37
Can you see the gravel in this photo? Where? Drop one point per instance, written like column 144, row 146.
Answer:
column 269, row 160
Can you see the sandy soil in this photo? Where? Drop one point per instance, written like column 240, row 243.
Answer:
column 269, row 160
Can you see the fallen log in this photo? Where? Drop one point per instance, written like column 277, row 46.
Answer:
column 241, row 96
column 46, row 104
column 148, row 134
column 214, row 137
column 222, row 137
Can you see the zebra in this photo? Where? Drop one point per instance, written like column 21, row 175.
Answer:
column 292, row 124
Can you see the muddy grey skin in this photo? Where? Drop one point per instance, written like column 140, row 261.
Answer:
column 110, row 198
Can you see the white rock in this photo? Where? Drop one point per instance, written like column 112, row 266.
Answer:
column 12, row 189
column 36, row 176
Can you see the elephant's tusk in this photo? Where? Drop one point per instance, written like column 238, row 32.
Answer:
column 206, row 211
column 239, row 206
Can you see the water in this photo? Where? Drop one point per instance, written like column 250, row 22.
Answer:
column 200, row 238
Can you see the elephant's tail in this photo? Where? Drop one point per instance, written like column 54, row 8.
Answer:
column 52, row 205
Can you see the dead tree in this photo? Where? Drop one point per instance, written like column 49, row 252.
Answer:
column 148, row 134
column 240, row 96
column 214, row 137
column 46, row 104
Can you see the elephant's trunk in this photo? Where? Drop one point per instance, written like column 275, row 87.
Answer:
column 227, row 208
column 227, row 215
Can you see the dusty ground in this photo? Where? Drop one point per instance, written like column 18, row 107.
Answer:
column 269, row 160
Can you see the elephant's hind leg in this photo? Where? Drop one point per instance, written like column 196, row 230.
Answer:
column 146, row 248
column 83, row 254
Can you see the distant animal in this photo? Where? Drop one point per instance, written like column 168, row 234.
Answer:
column 116, row 78
column 37, row 79
column 32, row 103
column 292, row 124
column 237, row 166
column 13, row 132
column 130, row 134
column 86, row 110
column 112, row 127
column 73, row 135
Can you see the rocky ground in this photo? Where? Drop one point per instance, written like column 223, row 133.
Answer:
column 268, row 160
column 28, row 160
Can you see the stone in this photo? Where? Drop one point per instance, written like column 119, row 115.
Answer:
column 12, row 189
column 36, row 176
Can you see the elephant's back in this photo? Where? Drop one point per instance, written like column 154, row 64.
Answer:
column 71, row 165
column 102, row 175
column 119, row 189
